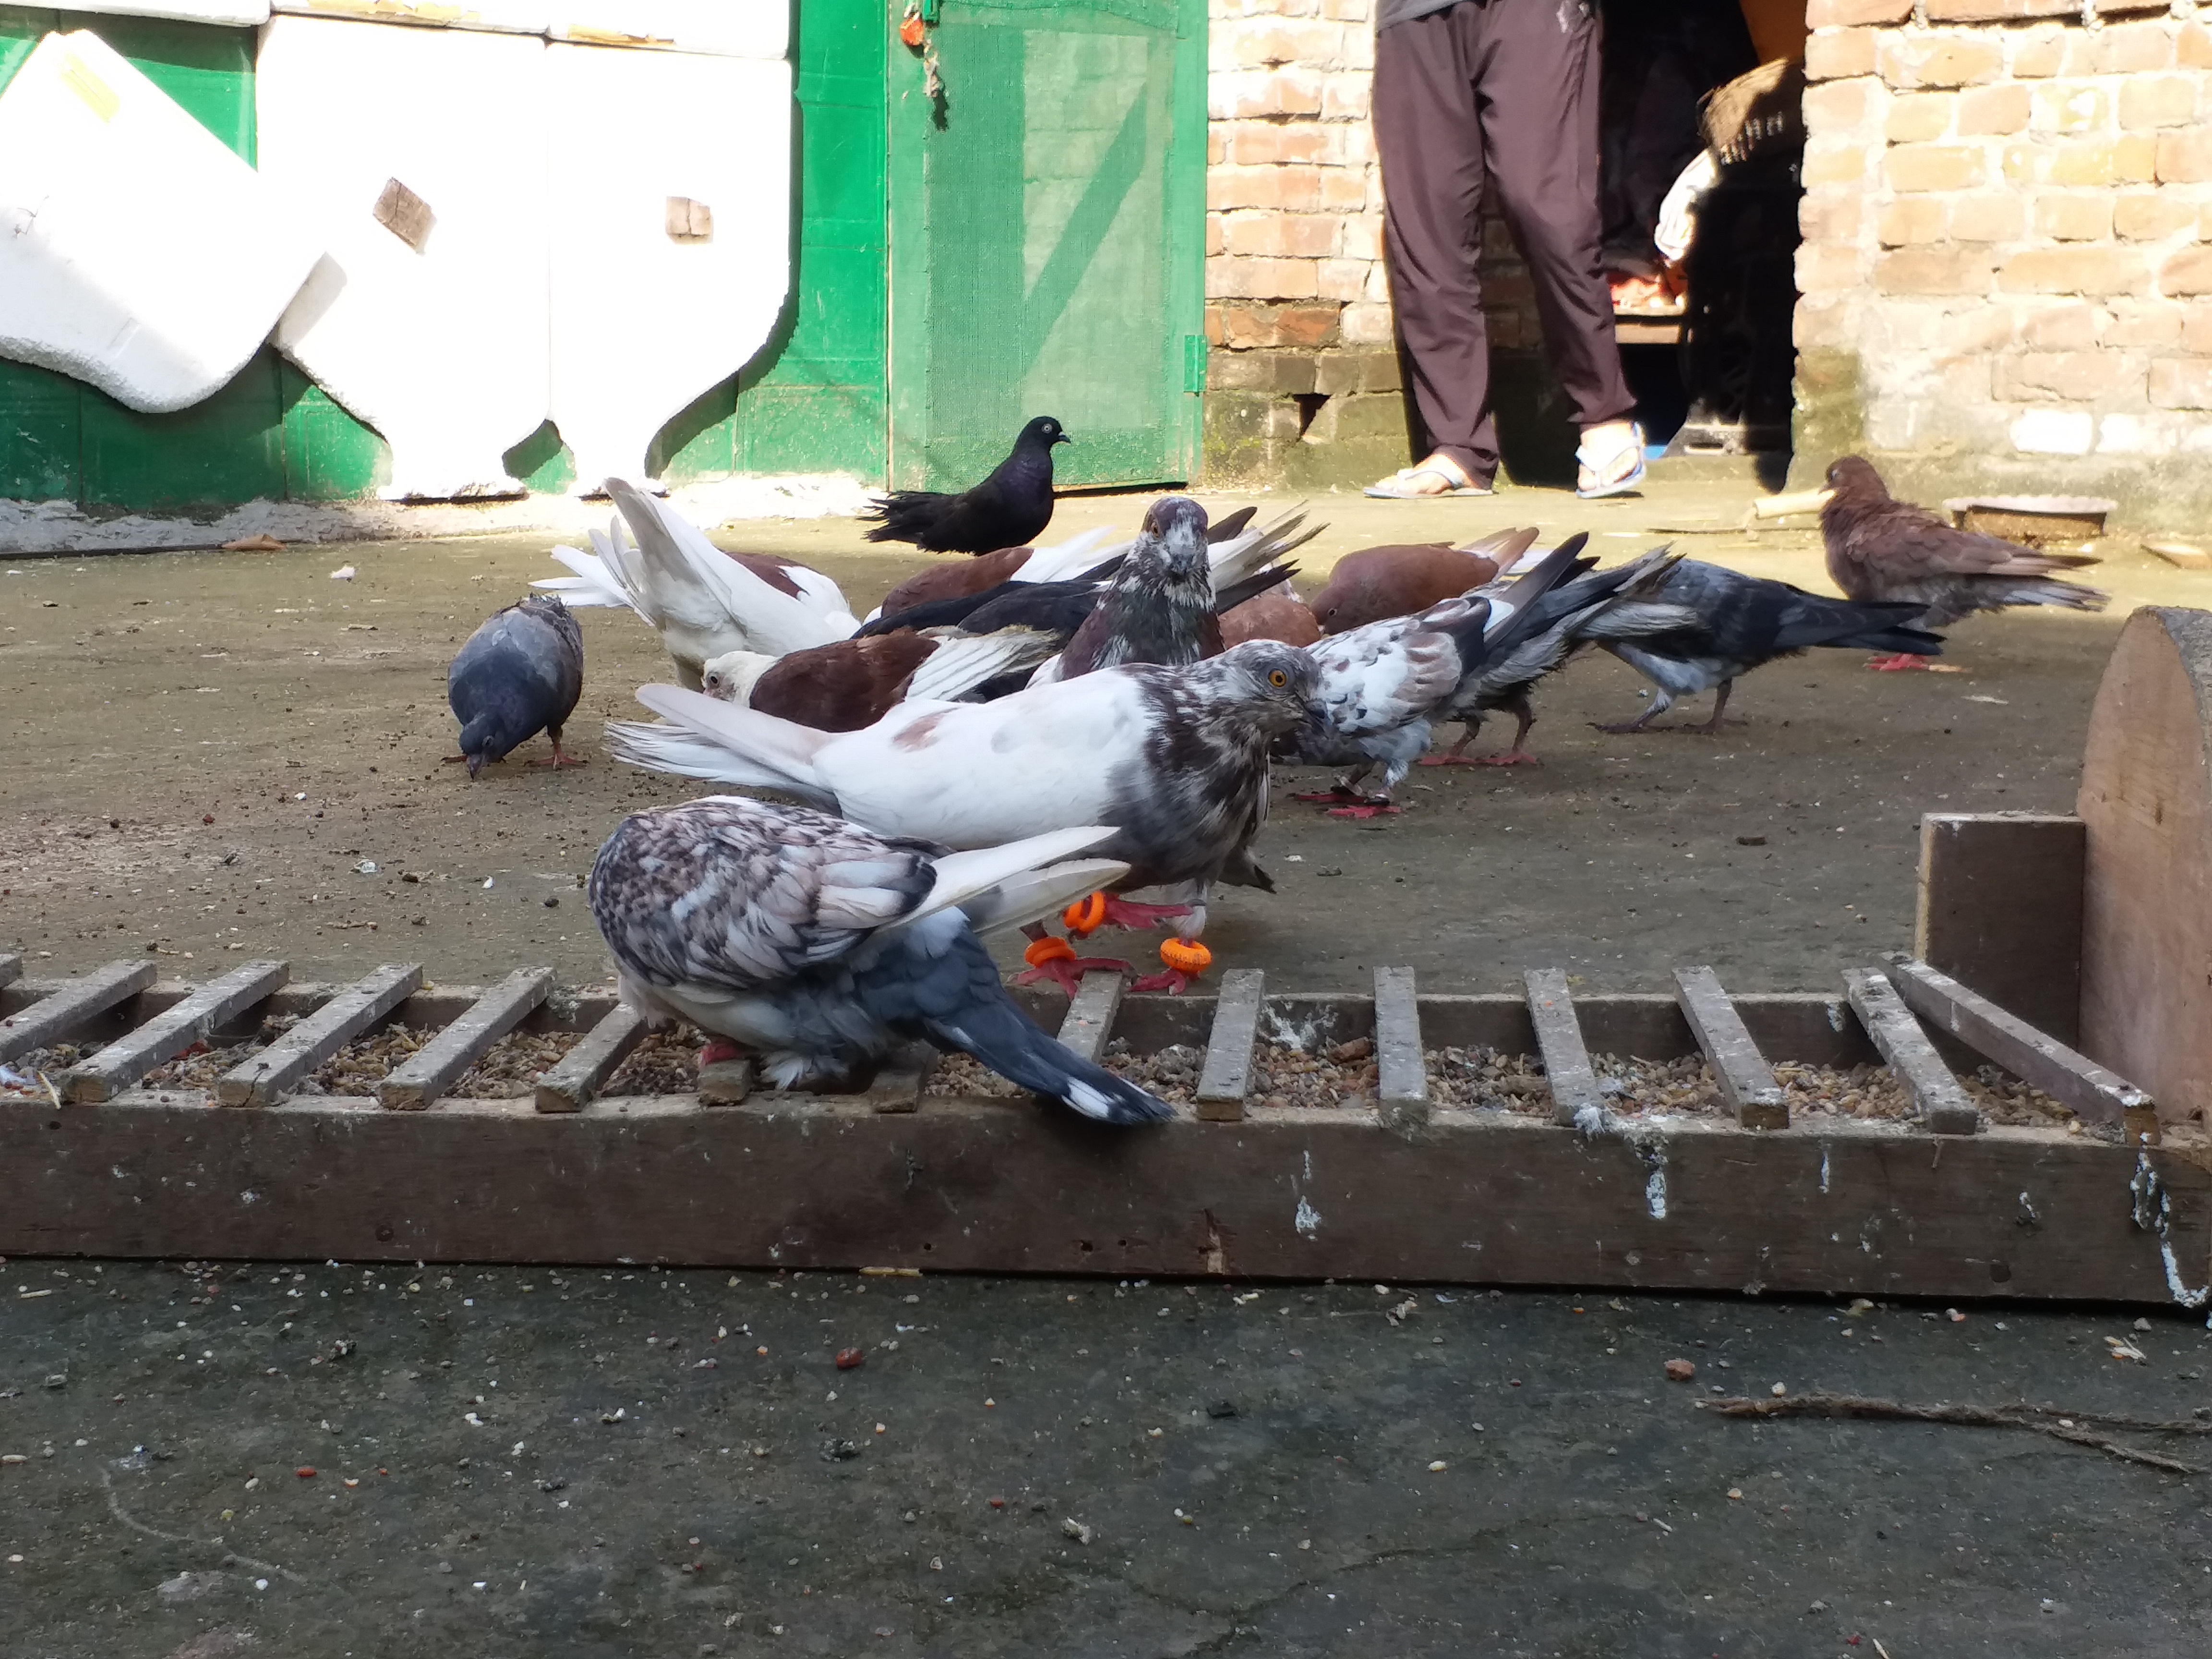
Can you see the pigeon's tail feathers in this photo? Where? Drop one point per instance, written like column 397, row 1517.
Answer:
column 2071, row 595
column 676, row 552
column 596, row 581
column 1074, row 557
column 762, row 742
column 1510, row 604
column 1638, row 619
column 995, row 1030
column 685, row 754
column 1036, row 894
column 1233, row 561
column 963, row 876
column 965, row 661
column 577, row 594
column 1226, row 599
column 1502, row 547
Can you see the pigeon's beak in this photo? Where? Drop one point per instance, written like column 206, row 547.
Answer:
column 1063, row 439
column 1317, row 713
column 1185, row 544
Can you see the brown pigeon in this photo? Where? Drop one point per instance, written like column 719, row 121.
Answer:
column 1378, row 583
column 1277, row 613
column 1884, row 551
column 956, row 582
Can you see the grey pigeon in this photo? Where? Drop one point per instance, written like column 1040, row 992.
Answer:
column 517, row 675
column 821, row 945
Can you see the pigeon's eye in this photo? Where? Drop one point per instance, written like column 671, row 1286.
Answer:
column 1276, row 677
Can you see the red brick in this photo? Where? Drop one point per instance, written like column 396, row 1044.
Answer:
column 1989, row 216
column 2192, row 48
column 2197, row 330
column 1941, row 60
column 2181, row 383
column 2185, row 156
column 2086, row 217
column 2065, row 376
column 1912, row 167
column 1261, row 279
column 1295, row 188
column 1829, row 215
column 2157, row 100
column 2074, row 270
column 2069, row 327
column 2144, row 323
column 2151, row 216
column 1836, row 54
column 1828, row 162
column 1993, row 111
column 2132, row 160
column 1933, row 271
column 1851, row 13
column 1918, row 116
column 1999, row 11
column 2131, row 48
column 2187, row 274
column 2072, row 106
column 1913, row 220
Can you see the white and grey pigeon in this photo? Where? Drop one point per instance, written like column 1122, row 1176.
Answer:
column 1174, row 759
column 703, row 603
column 822, row 944
column 519, row 674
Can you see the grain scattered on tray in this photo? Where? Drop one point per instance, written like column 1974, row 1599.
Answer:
column 959, row 1074
column 1485, row 1078
column 510, row 1067
column 359, row 1067
column 667, row 1062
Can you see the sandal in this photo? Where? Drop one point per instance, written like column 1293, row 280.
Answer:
column 1399, row 486
column 1595, row 469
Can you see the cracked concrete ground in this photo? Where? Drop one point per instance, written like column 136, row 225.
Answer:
column 1063, row 1468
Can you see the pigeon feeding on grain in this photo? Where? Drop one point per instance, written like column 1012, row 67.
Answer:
column 1381, row 685
column 821, row 944
column 702, row 602
column 1094, row 551
column 519, row 674
column 1378, row 583
column 850, row 683
column 1744, row 621
column 1010, row 508
column 1883, row 550
column 1277, row 613
column 1175, row 759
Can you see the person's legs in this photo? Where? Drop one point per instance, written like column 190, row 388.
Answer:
column 1430, row 139
column 1536, row 71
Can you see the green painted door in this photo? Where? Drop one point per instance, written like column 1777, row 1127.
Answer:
column 1048, row 225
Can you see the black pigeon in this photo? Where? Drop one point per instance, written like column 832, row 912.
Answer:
column 517, row 675
column 1010, row 508
column 1744, row 621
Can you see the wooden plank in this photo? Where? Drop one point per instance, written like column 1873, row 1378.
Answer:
column 1401, row 1067
column 727, row 1082
column 74, row 1004
column 898, row 1086
column 168, row 1033
column 1226, row 1077
column 1943, row 1106
column 2000, row 910
column 1559, row 1040
column 426, row 1074
column 2073, row 1079
column 11, row 968
column 1860, row 1209
column 267, row 1075
column 1746, row 1081
column 568, row 1084
column 1088, row 1025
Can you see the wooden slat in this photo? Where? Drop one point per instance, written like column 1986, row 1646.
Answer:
column 168, row 1033
column 1943, row 1106
column 76, row 1004
column 425, row 1074
column 1226, row 1077
column 727, row 1082
column 2072, row 1078
column 898, row 1086
column 570, row 1082
column 11, row 968
column 1559, row 1040
column 1402, row 1086
column 2000, row 910
column 269, row 1074
column 1088, row 1025
column 1746, row 1081
column 971, row 1186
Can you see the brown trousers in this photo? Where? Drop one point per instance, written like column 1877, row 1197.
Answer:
column 1508, row 88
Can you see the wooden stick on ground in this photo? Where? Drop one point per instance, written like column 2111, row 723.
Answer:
column 569, row 1084
column 1943, row 1106
column 264, row 1077
column 426, row 1073
column 1402, row 1068
column 2034, row 1419
column 1567, row 1067
column 76, row 1004
column 168, row 1033
column 1226, row 1077
column 1746, row 1082
column 1089, row 1023
column 2073, row 1079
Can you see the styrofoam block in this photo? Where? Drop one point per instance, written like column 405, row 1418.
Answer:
column 643, row 322
column 236, row 13
column 137, row 252
column 732, row 28
column 444, row 349
column 498, row 16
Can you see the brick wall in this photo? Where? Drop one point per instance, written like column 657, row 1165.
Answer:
column 2007, row 269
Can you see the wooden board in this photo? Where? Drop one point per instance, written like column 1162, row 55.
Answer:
column 1089, row 1023
column 1943, row 1104
column 1559, row 1040
column 72, row 1006
column 1746, row 1081
column 2000, row 911
column 2146, row 808
column 2072, row 1078
column 437, row 1064
column 1226, row 1076
column 973, row 1186
column 576, row 1077
column 1401, row 1070
column 264, row 1077
column 169, row 1033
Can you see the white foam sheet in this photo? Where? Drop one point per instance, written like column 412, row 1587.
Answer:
column 444, row 351
column 642, row 324
column 137, row 252
column 236, row 13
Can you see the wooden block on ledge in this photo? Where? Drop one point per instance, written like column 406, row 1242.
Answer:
column 569, row 1084
column 1746, row 1082
column 1226, row 1076
column 1944, row 1107
column 1567, row 1066
column 76, row 1005
column 168, row 1033
column 1402, row 1068
column 439, row 1064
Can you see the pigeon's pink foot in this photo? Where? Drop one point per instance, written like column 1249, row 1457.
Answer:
column 1898, row 664
column 1121, row 913
column 1372, row 809
column 1510, row 757
column 561, row 760
column 715, row 1053
column 1067, row 972
column 1173, row 981
column 1326, row 795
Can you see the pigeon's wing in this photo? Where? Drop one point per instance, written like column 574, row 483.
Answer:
column 735, row 894
column 963, row 662
column 1020, row 900
column 1923, row 547
column 1502, row 547
column 707, row 599
column 760, row 750
column 1242, row 555
column 593, row 583
column 1063, row 561
column 969, row 877
column 1386, row 674
column 1230, row 525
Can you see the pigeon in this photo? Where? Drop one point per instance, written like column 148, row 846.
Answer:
column 1599, row 606
column 1276, row 614
column 1746, row 621
column 850, row 683
column 1381, row 684
column 702, row 602
column 1010, row 508
column 1883, row 550
column 821, row 945
column 1175, row 759
column 1380, row 582
column 520, row 674
column 1079, row 555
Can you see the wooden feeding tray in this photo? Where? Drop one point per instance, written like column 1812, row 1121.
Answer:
column 1408, row 1171
column 2034, row 519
